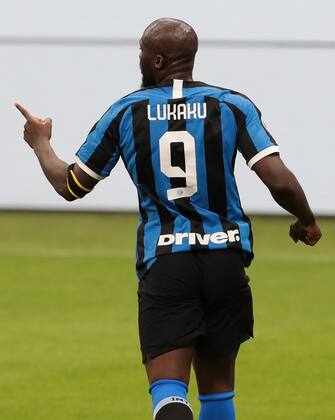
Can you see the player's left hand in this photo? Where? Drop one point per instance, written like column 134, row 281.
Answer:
column 36, row 130
column 308, row 234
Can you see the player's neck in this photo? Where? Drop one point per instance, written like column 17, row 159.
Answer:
column 176, row 75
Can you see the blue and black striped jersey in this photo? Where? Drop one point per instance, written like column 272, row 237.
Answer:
column 178, row 141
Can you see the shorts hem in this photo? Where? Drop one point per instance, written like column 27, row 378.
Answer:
column 150, row 355
column 218, row 350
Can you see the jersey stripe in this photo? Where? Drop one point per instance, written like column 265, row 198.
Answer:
column 145, row 207
column 183, row 205
column 140, row 266
column 259, row 115
column 217, row 184
column 244, row 141
column 145, row 173
column 105, row 150
column 177, row 90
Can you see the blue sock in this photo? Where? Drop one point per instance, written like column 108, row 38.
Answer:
column 217, row 406
column 168, row 391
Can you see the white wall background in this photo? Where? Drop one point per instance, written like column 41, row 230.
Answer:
column 49, row 63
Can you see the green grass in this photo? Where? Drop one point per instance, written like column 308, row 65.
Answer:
column 68, row 322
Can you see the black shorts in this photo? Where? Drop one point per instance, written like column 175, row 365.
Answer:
column 195, row 299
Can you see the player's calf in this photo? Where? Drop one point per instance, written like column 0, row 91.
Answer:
column 217, row 406
column 169, row 400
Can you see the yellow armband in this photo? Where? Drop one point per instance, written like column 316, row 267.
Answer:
column 76, row 189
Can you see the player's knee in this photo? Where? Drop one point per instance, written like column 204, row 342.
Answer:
column 170, row 401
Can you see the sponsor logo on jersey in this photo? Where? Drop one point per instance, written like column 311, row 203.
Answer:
column 187, row 111
column 192, row 238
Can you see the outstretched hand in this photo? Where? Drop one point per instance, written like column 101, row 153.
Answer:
column 36, row 130
column 308, row 234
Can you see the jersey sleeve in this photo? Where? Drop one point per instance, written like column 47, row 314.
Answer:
column 100, row 152
column 253, row 139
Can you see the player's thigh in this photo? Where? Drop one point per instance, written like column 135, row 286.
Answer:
column 170, row 313
column 215, row 373
column 228, row 318
column 227, row 302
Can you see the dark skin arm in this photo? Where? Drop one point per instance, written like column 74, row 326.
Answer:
column 288, row 193
column 37, row 133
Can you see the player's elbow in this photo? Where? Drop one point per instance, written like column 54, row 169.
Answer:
column 68, row 197
column 281, row 181
column 285, row 186
column 280, row 186
column 63, row 191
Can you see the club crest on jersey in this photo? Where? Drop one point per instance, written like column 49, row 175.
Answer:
column 192, row 238
column 187, row 111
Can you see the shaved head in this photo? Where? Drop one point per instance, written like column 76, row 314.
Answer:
column 168, row 48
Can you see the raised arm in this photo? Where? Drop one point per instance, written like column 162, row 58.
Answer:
column 70, row 181
column 288, row 193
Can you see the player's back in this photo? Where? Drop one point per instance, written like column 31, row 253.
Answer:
column 178, row 142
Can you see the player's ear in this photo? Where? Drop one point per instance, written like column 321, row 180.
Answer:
column 159, row 61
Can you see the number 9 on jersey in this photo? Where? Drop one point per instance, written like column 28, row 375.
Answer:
column 190, row 172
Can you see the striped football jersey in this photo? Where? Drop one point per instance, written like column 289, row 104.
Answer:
column 178, row 142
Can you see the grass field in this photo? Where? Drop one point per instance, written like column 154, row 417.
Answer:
column 68, row 322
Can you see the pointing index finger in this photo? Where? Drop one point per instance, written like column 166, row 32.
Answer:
column 27, row 115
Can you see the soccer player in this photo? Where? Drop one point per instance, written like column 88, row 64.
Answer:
column 178, row 139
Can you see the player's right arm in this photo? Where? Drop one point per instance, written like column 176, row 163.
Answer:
column 69, row 181
column 94, row 161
